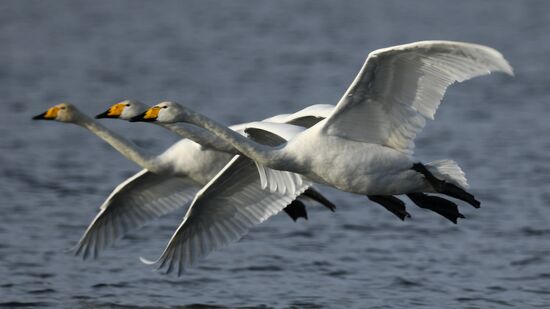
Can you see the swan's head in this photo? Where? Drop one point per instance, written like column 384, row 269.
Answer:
column 124, row 110
column 63, row 112
column 164, row 112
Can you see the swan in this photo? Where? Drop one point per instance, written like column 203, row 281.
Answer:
column 167, row 182
column 211, row 222
column 366, row 145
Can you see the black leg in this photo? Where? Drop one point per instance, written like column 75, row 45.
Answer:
column 296, row 210
column 437, row 204
column 447, row 188
column 391, row 203
column 318, row 197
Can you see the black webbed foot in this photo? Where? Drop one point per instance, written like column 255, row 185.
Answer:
column 296, row 210
column 437, row 204
column 391, row 203
column 318, row 197
column 447, row 188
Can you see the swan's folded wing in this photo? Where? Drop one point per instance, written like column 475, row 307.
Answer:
column 398, row 87
column 139, row 199
column 271, row 133
column 263, row 136
column 222, row 212
column 306, row 117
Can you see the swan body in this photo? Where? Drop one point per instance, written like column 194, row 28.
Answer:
column 382, row 170
column 365, row 146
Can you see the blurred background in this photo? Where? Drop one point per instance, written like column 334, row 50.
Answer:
column 239, row 61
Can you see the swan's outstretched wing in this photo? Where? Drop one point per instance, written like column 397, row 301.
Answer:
column 221, row 213
column 139, row 199
column 398, row 87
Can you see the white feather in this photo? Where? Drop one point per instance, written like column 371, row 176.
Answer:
column 398, row 87
column 141, row 198
column 221, row 213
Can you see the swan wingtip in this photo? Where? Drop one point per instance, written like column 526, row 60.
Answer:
column 510, row 71
column 77, row 250
column 147, row 261
column 71, row 250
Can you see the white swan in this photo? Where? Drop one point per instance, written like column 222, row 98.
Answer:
column 212, row 222
column 366, row 144
column 168, row 181
column 209, row 223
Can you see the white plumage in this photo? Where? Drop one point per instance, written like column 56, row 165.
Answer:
column 132, row 203
column 399, row 86
column 222, row 212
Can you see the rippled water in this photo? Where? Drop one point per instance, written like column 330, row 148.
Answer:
column 238, row 61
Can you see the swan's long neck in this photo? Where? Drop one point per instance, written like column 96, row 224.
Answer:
column 200, row 136
column 122, row 145
column 262, row 154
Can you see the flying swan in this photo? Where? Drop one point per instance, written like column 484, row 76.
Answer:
column 212, row 222
column 365, row 146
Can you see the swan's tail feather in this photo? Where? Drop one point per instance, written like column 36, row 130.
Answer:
column 448, row 170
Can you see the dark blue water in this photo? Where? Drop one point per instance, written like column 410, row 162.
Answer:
column 239, row 61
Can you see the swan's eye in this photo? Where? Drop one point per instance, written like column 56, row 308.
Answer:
column 62, row 107
column 128, row 104
column 165, row 107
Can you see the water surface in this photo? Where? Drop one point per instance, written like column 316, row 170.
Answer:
column 240, row 61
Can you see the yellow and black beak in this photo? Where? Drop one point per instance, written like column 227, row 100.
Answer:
column 105, row 114
column 50, row 114
column 114, row 112
column 40, row 117
column 149, row 115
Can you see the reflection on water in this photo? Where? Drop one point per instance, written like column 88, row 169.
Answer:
column 239, row 61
